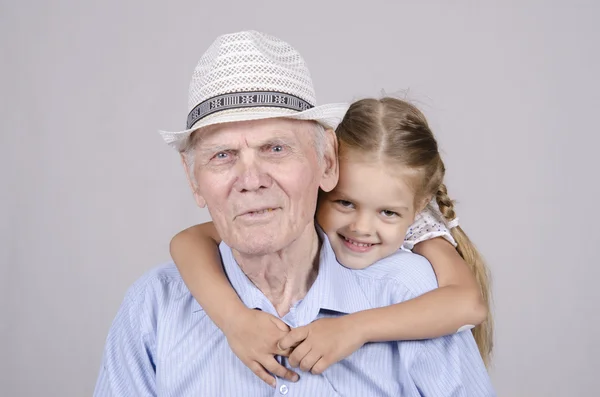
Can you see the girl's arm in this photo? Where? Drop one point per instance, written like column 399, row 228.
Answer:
column 195, row 252
column 251, row 334
column 455, row 304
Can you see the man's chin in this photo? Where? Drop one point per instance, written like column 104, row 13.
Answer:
column 256, row 250
column 257, row 245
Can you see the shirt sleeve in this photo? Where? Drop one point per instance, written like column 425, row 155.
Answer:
column 451, row 366
column 127, row 365
column 439, row 367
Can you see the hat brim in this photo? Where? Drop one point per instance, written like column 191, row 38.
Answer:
column 329, row 116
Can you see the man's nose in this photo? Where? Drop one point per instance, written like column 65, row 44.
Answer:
column 363, row 224
column 252, row 176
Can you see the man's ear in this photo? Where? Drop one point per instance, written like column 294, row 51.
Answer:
column 331, row 170
column 197, row 196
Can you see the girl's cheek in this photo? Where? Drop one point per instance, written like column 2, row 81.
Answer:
column 330, row 218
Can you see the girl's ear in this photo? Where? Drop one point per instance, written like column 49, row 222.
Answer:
column 423, row 203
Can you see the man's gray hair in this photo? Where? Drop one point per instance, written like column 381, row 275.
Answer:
column 189, row 155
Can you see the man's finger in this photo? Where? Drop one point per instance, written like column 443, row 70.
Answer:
column 262, row 374
column 279, row 370
column 294, row 337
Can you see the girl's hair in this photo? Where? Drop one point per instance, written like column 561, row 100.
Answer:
column 392, row 129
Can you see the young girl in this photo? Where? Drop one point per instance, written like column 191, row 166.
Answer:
column 390, row 169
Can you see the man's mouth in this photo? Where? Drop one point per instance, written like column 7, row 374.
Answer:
column 257, row 213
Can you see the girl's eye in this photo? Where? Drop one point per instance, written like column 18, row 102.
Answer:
column 345, row 203
column 389, row 214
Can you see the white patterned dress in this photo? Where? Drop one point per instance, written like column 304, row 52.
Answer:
column 428, row 224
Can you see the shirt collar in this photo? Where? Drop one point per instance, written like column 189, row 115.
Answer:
column 251, row 296
column 336, row 287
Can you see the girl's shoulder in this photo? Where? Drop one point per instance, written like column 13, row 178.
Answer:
column 404, row 268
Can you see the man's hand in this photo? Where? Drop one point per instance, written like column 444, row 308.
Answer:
column 322, row 343
column 253, row 338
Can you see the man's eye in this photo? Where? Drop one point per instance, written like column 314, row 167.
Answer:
column 277, row 148
column 389, row 214
column 224, row 155
column 222, row 158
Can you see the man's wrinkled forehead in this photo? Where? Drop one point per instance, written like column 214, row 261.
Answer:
column 253, row 132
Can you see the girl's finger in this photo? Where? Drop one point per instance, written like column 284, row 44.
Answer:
column 280, row 324
column 299, row 353
column 309, row 361
column 281, row 352
column 320, row 366
column 294, row 337
column 274, row 367
column 262, row 374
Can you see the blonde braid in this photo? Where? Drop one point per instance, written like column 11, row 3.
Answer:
column 392, row 129
column 445, row 203
column 483, row 333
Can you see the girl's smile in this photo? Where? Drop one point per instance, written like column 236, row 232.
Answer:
column 368, row 213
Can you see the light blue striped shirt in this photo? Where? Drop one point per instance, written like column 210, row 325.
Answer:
column 163, row 344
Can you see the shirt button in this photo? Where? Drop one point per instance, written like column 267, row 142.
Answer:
column 283, row 389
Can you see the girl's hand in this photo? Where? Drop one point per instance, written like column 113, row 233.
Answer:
column 253, row 337
column 322, row 343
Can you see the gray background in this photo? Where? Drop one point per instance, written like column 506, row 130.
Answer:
column 91, row 195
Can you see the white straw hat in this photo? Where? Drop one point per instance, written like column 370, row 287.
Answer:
column 250, row 76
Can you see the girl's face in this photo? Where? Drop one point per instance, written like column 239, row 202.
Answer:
column 368, row 213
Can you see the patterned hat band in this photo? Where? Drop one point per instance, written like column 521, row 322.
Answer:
column 251, row 99
column 251, row 76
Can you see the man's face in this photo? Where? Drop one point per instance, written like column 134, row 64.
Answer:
column 259, row 180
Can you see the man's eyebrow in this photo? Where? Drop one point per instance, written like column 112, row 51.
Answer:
column 280, row 134
column 279, row 139
column 211, row 149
